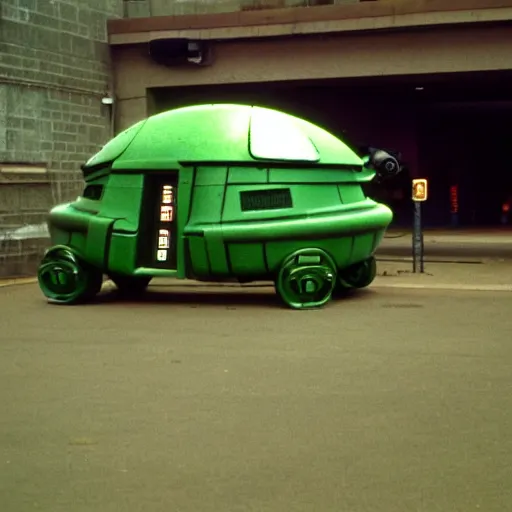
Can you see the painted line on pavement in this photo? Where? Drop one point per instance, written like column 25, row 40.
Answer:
column 441, row 286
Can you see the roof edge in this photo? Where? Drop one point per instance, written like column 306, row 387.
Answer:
column 298, row 15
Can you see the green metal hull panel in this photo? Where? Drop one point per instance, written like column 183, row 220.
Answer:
column 349, row 234
column 116, row 146
column 222, row 133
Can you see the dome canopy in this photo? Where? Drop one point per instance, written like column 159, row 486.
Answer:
column 223, row 134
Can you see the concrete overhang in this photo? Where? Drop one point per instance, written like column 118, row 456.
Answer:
column 363, row 16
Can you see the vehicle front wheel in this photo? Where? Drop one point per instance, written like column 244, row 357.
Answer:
column 65, row 278
column 306, row 279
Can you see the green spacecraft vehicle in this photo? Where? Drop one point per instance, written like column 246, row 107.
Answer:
column 220, row 193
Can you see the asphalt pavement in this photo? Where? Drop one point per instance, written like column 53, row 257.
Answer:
column 217, row 399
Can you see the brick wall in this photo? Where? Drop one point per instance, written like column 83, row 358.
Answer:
column 54, row 70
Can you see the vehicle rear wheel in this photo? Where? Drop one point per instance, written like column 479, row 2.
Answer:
column 359, row 275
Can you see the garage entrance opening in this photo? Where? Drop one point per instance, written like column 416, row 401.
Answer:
column 452, row 129
column 464, row 148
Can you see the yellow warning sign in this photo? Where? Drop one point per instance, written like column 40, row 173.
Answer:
column 419, row 190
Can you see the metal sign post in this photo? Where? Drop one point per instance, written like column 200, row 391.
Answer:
column 419, row 194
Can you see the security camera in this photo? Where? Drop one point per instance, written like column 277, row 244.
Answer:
column 385, row 163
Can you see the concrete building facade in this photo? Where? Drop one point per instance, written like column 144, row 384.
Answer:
column 427, row 77
column 54, row 70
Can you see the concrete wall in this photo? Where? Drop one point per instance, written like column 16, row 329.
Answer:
column 444, row 50
column 187, row 20
column 145, row 8
column 54, row 70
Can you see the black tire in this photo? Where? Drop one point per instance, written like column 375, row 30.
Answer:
column 359, row 275
column 65, row 278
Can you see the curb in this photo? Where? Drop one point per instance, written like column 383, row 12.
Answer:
column 382, row 258
column 448, row 287
column 13, row 282
column 412, row 286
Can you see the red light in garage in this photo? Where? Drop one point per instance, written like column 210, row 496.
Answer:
column 454, row 199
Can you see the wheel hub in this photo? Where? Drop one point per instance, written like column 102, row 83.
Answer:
column 306, row 279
